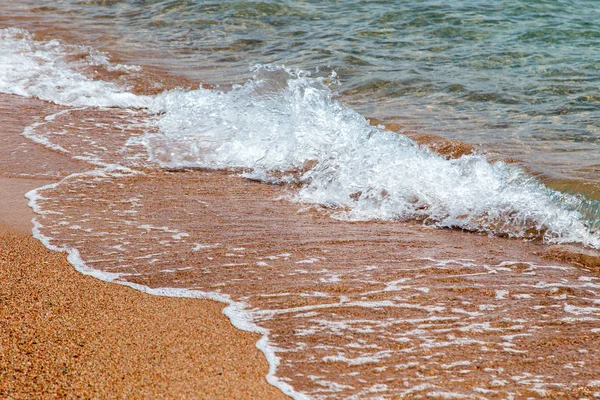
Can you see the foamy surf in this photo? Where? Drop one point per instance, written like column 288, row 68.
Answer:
column 286, row 126
column 49, row 71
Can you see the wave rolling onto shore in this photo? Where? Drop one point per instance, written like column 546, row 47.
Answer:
column 317, row 228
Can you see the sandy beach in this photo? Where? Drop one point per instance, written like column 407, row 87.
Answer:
column 66, row 335
column 69, row 335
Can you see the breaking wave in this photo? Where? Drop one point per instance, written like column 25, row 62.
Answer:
column 285, row 126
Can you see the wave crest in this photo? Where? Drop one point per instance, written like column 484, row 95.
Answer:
column 286, row 126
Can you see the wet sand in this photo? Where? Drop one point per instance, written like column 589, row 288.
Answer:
column 396, row 308
column 385, row 310
column 14, row 211
column 66, row 335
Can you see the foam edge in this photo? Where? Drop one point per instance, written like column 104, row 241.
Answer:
column 235, row 311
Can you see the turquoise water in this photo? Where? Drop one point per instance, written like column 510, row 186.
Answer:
column 514, row 77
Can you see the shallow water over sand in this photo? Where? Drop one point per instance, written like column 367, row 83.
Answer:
column 516, row 79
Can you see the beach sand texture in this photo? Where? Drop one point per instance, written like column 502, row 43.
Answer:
column 66, row 335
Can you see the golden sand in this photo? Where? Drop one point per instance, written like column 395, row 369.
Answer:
column 66, row 335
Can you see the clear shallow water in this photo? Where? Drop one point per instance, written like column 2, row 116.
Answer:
column 519, row 78
column 347, row 310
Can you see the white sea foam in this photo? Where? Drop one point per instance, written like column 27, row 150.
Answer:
column 289, row 123
column 236, row 311
column 372, row 359
column 284, row 126
column 42, row 69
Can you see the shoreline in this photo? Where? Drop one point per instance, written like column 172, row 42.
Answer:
column 64, row 333
column 401, row 243
column 160, row 75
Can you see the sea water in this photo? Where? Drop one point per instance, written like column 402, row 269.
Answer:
column 518, row 78
column 351, row 301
